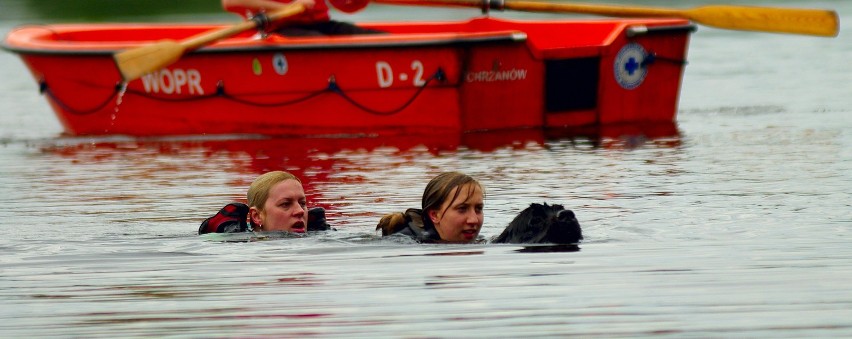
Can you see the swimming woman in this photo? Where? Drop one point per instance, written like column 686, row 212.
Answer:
column 451, row 211
column 276, row 202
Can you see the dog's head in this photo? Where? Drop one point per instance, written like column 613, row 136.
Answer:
column 317, row 220
column 542, row 224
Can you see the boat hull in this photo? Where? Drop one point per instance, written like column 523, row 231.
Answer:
column 482, row 74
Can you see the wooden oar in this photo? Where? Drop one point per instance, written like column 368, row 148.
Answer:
column 817, row 22
column 135, row 62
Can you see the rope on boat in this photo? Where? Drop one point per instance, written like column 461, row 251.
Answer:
column 332, row 85
column 221, row 93
column 44, row 89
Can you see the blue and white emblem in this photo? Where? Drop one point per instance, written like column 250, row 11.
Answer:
column 279, row 62
column 629, row 70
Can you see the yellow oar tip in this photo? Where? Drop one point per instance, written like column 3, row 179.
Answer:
column 836, row 24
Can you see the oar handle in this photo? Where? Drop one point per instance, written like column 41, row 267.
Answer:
column 604, row 10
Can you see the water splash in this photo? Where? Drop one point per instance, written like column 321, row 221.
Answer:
column 118, row 100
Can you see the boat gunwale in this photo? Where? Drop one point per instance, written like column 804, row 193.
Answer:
column 38, row 45
column 282, row 44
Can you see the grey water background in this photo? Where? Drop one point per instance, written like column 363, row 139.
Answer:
column 737, row 226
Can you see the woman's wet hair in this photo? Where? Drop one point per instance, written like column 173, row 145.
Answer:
column 258, row 192
column 439, row 188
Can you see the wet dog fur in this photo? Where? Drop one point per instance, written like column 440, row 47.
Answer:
column 542, row 224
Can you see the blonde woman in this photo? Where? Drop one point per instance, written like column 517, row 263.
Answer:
column 276, row 202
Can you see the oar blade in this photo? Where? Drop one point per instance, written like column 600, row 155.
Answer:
column 816, row 22
column 136, row 62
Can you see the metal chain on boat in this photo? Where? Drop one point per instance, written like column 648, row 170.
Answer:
column 220, row 92
column 332, row 87
column 45, row 90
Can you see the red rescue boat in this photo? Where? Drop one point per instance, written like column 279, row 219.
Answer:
column 480, row 74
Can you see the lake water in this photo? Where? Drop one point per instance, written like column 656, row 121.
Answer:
column 735, row 224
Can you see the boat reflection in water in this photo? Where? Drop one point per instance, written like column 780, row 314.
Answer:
column 297, row 154
column 322, row 159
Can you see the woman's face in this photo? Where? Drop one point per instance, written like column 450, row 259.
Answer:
column 284, row 209
column 460, row 220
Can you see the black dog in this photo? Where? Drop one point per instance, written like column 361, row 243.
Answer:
column 542, row 224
